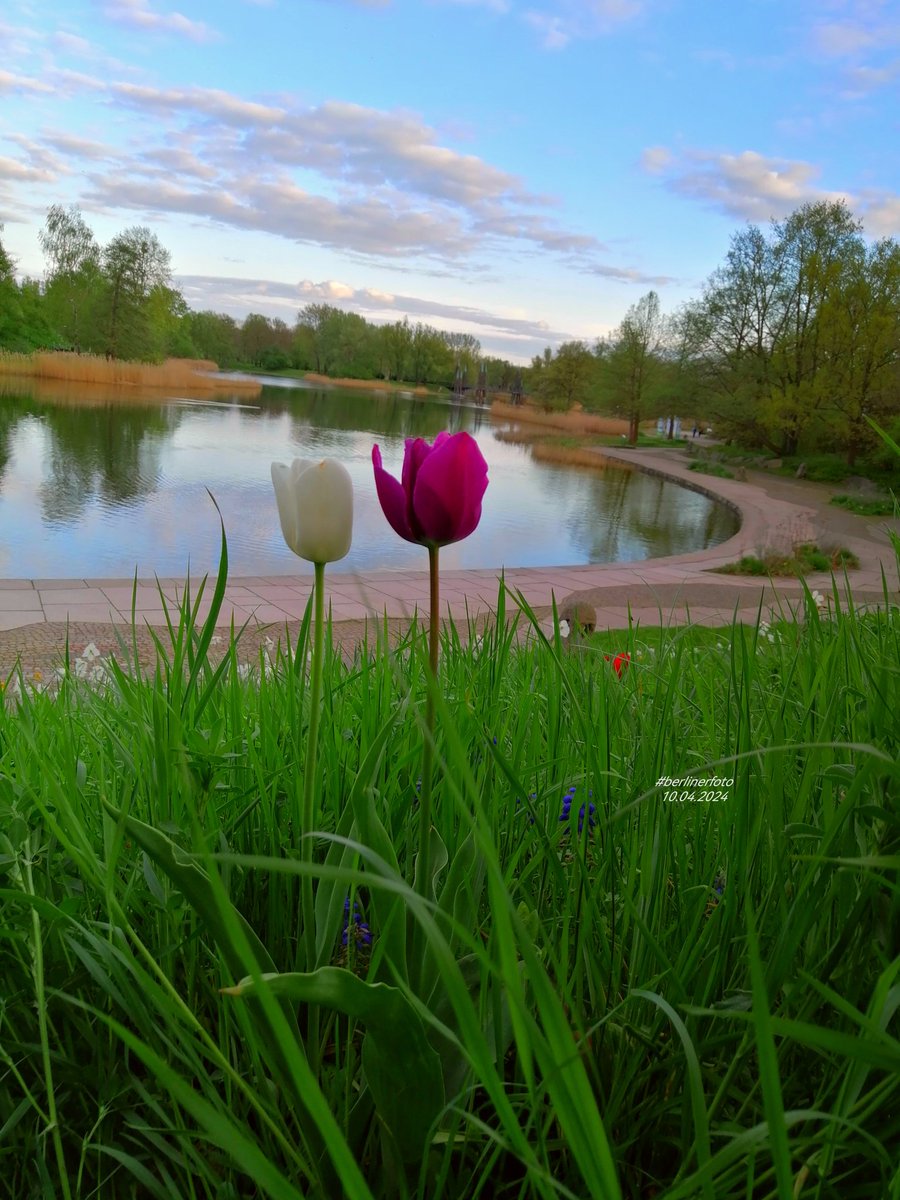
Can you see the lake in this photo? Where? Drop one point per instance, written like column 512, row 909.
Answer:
column 94, row 488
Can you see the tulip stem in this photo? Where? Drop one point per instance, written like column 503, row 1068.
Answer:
column 423, row 867
column 308, row 817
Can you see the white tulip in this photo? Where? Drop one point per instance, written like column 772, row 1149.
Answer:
column 315, row 506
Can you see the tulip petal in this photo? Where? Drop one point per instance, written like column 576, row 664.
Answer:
column 392, row 497
column 283, row 482
column 324, row 499
column 315, row 508
column 449, row 487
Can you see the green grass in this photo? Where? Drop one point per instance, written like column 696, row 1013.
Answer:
column 711, row 468
column 686, row 999
column 866, row 508
column 804, row 560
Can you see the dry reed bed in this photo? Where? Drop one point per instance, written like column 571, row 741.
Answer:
column 369, row 385
column 197, row 375
column 569, row 422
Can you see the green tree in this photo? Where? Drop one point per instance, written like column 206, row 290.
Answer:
column 10, row 308
column 860, row 331
column 563, row 379
column 215, row 336
column 764, row 313
column 72, row 276
column 633, row 362
column 133, row 264
column 396, row 344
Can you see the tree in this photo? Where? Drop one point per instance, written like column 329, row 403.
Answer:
column 73, row 261
column 133, row 264
column 318, row 320
column 10, row 308
column 633, row 361
column 860, row 333
column 396, row 342
column 563, row 379
column 215, row 337
column 766, row 341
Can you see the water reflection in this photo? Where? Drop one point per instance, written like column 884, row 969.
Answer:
column 96, row 488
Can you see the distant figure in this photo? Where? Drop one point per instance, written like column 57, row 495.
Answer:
column 696, row 431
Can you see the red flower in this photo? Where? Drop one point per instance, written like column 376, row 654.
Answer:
column 620, row 662
column 438, row 500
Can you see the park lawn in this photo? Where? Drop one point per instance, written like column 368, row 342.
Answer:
column 610, row 993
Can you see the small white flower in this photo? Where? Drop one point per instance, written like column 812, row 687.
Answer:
column 216, row 640
column 564, row 629
column 90, row 652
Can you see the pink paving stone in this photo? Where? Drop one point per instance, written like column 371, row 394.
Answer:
column 273, row 592
column 144, row 597
column 48, row 584
column 18, row 619
column 84, row 595
column 85, row 612
column 16, row 585
column 268, row 614
column 20, row 601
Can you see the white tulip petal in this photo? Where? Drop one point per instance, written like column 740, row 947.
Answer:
column 315, row 507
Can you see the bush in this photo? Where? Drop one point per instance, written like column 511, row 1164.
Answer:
column 882, row 507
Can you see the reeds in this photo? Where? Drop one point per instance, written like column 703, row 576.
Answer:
column 196, row 375
column 564, row 422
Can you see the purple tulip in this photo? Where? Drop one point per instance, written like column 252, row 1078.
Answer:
column 439, row 498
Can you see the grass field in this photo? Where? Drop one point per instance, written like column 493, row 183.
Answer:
column 620, row 980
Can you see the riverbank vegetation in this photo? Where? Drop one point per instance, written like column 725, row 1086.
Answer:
column 91, row 371
column 792, row 344
column 658, row 956
column 804, row 559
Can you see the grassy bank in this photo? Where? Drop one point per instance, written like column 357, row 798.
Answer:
column 620, row 987
column 87, row 370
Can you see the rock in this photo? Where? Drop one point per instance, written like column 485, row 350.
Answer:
column 773, row 464
column 858, row 485
column 800, row 473
column 741, row 474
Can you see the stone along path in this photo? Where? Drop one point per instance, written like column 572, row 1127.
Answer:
column 38, row 617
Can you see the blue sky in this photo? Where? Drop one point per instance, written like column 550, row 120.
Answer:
column 520, row 169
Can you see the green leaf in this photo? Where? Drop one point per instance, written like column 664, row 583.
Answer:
column 402, row 1070
column 194, row 884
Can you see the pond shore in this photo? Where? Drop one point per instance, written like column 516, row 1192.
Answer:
column 39, row 617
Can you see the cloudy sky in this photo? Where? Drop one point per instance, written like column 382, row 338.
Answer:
column 520, row 169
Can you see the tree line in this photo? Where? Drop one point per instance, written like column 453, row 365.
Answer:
column 793, row 343
column 118, row 300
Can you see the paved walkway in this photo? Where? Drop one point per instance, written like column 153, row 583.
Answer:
column 776, row 513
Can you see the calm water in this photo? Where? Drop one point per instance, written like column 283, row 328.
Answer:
column 98, row 489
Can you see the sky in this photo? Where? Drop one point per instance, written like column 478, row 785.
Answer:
column 524, row 170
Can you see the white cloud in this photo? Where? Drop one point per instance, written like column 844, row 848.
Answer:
column 880, row 213
column 757, row 188
column 241, row 295
column 655, row 159
column 139, row 15
column 22, row 84
column 562, row 21
column 746, row 185
column 77, row 147
column 339, row 175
